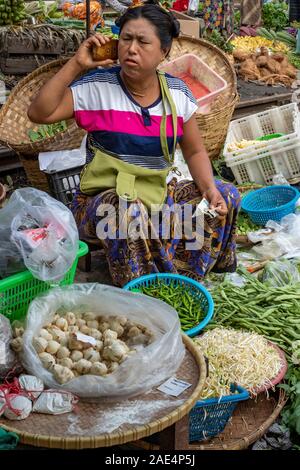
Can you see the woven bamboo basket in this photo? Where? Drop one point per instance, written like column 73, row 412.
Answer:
column 14, row 125
column 58, row 432
column 250, row 421
column 214, row 125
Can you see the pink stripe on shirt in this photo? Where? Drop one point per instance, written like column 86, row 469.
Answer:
column 124, row 121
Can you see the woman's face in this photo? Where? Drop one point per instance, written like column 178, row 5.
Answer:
column 139, row 48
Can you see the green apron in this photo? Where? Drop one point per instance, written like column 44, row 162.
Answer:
column 107, row 171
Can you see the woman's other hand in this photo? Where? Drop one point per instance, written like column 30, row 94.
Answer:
column 216, row 202
column 84, row 57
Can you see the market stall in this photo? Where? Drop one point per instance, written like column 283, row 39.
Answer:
column 115, row 361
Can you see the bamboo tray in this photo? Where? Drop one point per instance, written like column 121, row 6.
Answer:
column 249, row 422
column 85, row 427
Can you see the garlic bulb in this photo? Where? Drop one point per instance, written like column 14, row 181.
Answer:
column 18, row 331
column 103, row 326
column 71, row 318
column 91, row 355
column 56, row 333
column 80, row 322
column 89, row 316
column 122, row 320
column 85, row 329
column 62, row 374
column 113, row 366
column 115, row 351
column 45, row 334
column 73, row 329
column 62, row 324
column 115, row 326
column 63, row 352
column 66, row 362
column 17, row 344
column 76, row 355
column 99, row 345
column 98, row 368
column 133, row 331
column 109, row 336
column 52, row 347
column 95, row 333
column 40, row 344
column 47, row 360
column 93, row 324
column 83, row 366
column 64, row 340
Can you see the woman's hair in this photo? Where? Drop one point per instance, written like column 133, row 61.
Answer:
column 166, row 25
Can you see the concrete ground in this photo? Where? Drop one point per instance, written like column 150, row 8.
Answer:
column 99, row 269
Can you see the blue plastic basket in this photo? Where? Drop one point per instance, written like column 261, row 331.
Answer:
column 209, row 417
column 270, row 203
column 193, row 287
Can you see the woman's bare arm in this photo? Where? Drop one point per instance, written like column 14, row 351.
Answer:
column 54, row 101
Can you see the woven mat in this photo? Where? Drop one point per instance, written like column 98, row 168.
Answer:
column 100, row 424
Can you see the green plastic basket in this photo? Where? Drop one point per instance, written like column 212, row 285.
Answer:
column 17, row 291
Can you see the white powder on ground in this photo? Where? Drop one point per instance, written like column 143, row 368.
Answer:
column 136, row 412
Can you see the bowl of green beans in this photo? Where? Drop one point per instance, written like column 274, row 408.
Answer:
column 193, row 303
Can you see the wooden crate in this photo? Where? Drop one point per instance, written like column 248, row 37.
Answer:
column 17, row 64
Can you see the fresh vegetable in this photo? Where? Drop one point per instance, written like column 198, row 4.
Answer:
column 275, row 15
column 220, row 41
column 271, row 311
column 294, row 59
column 251, row 44
column 291, row 412
column 245, row 224
column 240, row 357
column 47, row 130
column 188, row 308
column 11, row 12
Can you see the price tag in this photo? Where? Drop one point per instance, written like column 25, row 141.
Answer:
column 174, row 387
column 86, row 339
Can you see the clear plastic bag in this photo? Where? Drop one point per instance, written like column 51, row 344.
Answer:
column 280, row 273
column 7, row 356
column 138, row 373
column 45, row 232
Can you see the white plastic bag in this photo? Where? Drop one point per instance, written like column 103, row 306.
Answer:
column 54, row 402
column 45, row 232
column 138, row 373
column 63, row 159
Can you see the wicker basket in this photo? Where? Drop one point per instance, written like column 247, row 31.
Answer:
column 214, row 125
column 14, row 123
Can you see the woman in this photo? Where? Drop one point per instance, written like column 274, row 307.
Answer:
column 123, row 108
column 218, row 15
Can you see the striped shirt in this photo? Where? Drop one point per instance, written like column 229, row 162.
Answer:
column 115, row 122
